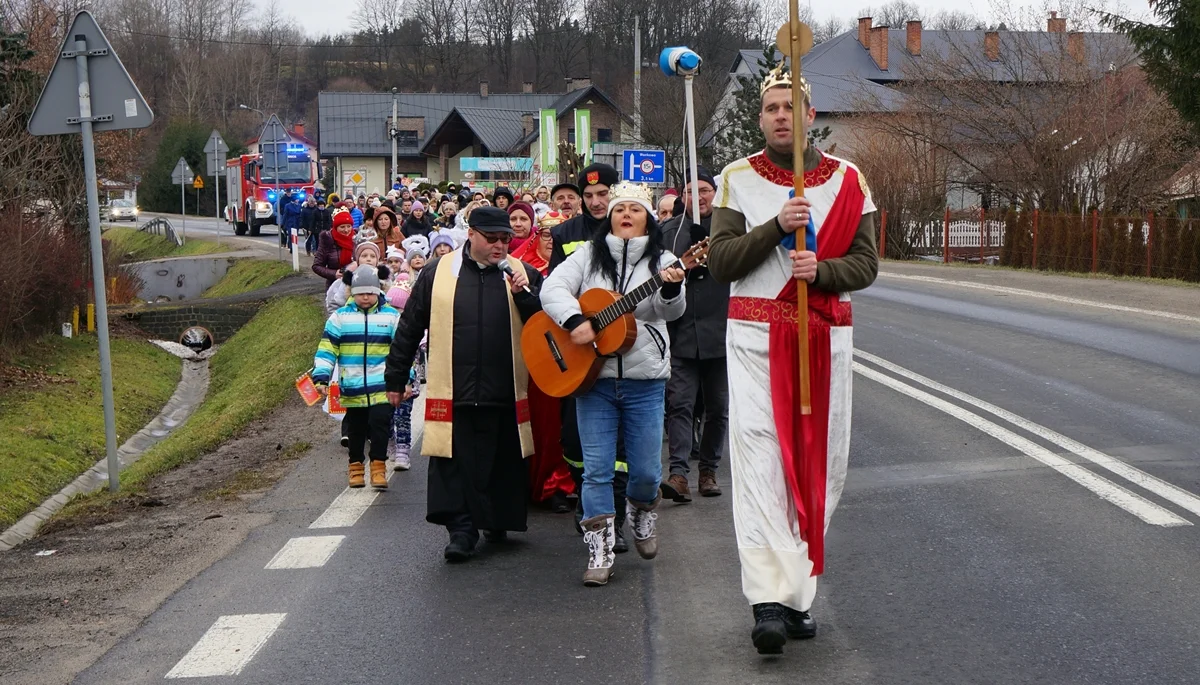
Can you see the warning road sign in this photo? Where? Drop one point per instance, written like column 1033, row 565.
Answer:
column 198, row 183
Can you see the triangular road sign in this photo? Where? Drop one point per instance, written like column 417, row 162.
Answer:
column 272, row 143
column 214, row 154
column 183, row 173
column 116, row 102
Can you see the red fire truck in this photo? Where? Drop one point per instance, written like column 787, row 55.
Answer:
column 254, row 191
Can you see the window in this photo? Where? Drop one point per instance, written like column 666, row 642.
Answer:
column 406, row 138
column 571, row 136
column 604, row 135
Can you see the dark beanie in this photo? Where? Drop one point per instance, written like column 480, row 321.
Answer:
column 703, row 175
column 597, row 174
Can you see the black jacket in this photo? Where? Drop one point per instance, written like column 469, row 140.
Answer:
column 414, row 226
column 700, row 332
column 482, row 364
column 569, row 235
column 322, row 220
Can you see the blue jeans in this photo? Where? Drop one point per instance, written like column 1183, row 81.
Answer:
column 635, row 407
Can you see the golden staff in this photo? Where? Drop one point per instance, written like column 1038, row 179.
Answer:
column 798, row 39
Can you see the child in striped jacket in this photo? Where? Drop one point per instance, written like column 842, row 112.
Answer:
column 357, row 338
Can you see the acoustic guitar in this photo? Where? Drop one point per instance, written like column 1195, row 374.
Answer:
column 561, row 367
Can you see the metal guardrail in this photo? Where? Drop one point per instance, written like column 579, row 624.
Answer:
column 162, row 226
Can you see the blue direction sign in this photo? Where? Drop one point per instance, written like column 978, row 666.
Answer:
column 645, row 166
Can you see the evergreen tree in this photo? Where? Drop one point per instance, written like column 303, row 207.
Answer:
column 1170, row 52
column 181, row 139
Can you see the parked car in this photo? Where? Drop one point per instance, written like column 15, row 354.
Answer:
column 119, row 210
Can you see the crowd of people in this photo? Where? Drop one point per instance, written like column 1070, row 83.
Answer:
column 429, row 293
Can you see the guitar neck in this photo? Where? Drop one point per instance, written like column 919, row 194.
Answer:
column 629, row 301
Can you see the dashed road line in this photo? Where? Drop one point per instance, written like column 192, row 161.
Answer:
column 1158, row 486
column 306, row 552
column 1107, row 490
column 227, row 646
column 1044, row 296
column 348, row 507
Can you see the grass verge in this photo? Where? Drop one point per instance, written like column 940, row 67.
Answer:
column 54, row 431
column 1083, row 275
column 135, row 246
column 247, row 275
column 250, row 375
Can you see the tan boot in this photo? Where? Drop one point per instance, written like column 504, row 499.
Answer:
column 356, row 474
column 379, row 475
column 642, row 519
column 599, row 534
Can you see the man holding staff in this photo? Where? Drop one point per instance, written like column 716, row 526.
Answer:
column 788, row 467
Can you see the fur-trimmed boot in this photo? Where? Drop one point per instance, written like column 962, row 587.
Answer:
column 598, row 533
column 642, row 520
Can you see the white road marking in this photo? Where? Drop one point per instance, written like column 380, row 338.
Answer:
column 1107, row 490
column 348, row 507
column 306, row 552
column 1045, row 296
column 228, row 646
column 1162, row 488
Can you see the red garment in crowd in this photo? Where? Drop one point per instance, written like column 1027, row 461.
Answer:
column 548, row 471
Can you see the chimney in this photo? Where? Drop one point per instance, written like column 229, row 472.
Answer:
column 864, row 32
column 298, row 128
column 527, row 123
column 1075, row 46
column 483, row 89
column 879, row 47
column 576, row 83
column 914, row 37
column 991, row 45
column 1056, row 25
column 527, row 87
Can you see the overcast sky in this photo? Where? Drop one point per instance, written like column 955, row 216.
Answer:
column 316, row 16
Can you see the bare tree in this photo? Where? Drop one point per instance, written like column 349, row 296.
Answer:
column 894, row 13
column 955, row 20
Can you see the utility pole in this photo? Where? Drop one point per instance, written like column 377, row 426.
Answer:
column 637, row 79
column 392, row 132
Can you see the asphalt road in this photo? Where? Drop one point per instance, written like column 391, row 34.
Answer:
column 1021, row 508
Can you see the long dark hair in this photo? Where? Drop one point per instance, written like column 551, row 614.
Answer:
column 602, row 260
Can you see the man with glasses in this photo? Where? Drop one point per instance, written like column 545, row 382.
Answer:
column 698, row 371
column 477, row 427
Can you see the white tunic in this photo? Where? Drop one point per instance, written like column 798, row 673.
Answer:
column 774, row 558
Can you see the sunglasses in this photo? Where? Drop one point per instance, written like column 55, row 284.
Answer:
column 492, row 238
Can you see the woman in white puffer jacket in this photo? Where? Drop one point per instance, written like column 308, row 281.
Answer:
column 629, row 395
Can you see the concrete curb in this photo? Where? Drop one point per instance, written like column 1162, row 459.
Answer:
column 193, row 386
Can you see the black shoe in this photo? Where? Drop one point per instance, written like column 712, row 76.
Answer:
column 495, row 536
column 345, row 441
column 619, row 545
column 579, row 518
column 558, row 503
column 770, row 628
column 460, row 549
column 800, row 624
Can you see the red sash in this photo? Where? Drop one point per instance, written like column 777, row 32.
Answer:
column 804, row 440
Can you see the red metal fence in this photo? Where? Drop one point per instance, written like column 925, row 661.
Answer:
column 1120, row 245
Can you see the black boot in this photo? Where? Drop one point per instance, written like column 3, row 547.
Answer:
column 579, row 517
column 620, row 546
column 496, row 537
column 460, row 549
column 558, row 503
column 800, row 624
column 770, row 628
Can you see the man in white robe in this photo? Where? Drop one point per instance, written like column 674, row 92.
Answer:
column 788, row 469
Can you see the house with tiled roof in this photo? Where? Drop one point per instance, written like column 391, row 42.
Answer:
column 874, row 70
column 435, row 131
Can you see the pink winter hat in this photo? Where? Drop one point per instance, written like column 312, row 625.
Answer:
column 397, row 297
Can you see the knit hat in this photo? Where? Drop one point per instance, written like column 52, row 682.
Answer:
column 394, row 252
column 703, row 175
column 417, row 244
column 397, row 296
column 365, row 282
column 363, row 247
column 598, row 174
column 441, row 238
column 342, row 217
column 630, row 192
column 417, row 205
column 523, row 207
column 490, row 220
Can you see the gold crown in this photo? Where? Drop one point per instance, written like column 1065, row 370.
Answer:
column 630, row 191
column 781, row 77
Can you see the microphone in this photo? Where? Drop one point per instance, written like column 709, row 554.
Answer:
column 506, row 267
